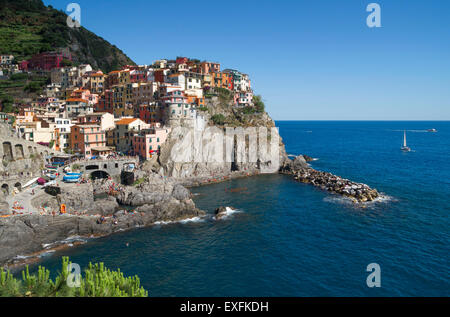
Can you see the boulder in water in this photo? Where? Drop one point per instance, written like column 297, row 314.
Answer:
column 222, row 212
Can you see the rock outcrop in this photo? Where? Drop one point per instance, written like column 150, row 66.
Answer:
column 302, row 172
column 220, row 212
column 213, row 151
column 157, row 199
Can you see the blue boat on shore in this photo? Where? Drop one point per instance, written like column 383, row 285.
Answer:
column 71, row 178
column 73, row 174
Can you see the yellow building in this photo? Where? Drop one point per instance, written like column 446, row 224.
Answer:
column 97, row 82
column 123, row 100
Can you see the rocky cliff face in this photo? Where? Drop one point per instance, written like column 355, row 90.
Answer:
column 202, row 148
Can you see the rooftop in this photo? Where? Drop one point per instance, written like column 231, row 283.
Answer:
column 125, row 121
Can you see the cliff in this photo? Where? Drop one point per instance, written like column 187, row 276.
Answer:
column 223, row 141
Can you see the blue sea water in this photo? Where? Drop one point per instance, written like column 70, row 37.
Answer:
column 291, row 239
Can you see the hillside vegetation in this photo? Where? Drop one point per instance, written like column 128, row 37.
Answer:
column 28, row 27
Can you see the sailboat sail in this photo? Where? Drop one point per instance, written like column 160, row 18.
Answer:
column 404, row 139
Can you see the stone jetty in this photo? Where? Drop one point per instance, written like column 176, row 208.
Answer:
column 302, row 172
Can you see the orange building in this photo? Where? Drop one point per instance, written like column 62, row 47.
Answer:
column 86, row 138
column 199, row 102
column 209, row 67
column 222, row 80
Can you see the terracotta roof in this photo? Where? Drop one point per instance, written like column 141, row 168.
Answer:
column 125, row 121
column 97, row 75
column 77, row 100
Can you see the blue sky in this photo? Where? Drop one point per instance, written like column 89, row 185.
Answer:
column 310, row 60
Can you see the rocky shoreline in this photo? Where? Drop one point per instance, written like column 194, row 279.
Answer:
column 122, row 208
column 302, row 172
column 156, row 199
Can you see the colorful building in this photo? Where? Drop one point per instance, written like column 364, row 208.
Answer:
column 6, row 59
column 85, row 138
column 150, row 113
column 97, row 82
column 122, row 135
column 104, row 119
column 222, row 80
column 106, row 102
column 209, row 67
column 76, row 107
column 147, row 143
column 48, row 60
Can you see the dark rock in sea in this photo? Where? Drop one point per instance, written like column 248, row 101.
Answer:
column 221, row 212
column 308, row 158
column 299, row 162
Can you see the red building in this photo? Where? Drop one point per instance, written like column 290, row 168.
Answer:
column 112, row 79
column 182, row 60
column 159, row 75
column 48, row 60
column 138, row 76
column 23, row 65
column 149, row 113
column 106, row 102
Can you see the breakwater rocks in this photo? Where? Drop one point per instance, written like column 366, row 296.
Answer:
column 302, row 172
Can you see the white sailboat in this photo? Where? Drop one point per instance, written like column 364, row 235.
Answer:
column 405, row 148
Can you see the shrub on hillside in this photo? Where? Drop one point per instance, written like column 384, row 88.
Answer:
column 97, row 281
column 218, row 119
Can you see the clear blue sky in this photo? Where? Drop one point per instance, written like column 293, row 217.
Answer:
column 310, row 60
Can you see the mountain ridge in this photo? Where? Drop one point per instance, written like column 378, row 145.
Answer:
column 28, row 27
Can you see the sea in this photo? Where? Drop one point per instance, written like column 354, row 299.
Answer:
column 284, row 238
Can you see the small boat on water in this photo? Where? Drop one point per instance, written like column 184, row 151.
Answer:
column 405, row 148
column 432, row 130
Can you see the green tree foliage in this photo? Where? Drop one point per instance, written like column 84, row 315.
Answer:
column 33, row 87
column 259, row 104
column 7, row 103
column 97, row 281
column 19, row 76
column 248, row 110
column 66, row 63
column 218, row 119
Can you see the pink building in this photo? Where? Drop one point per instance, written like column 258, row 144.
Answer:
column 148, row 142
column 243, row 99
